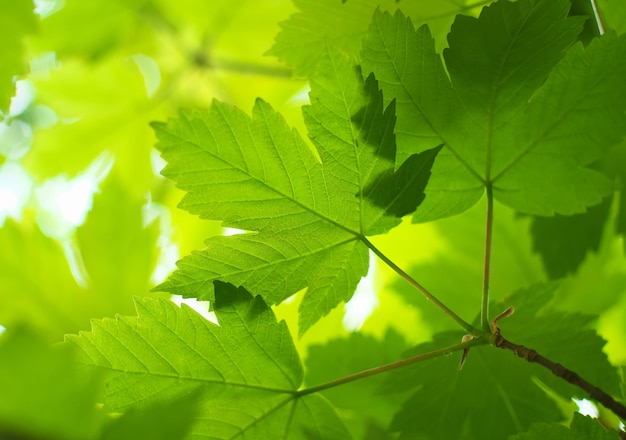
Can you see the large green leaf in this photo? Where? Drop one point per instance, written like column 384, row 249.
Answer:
column 450, row 404
column 311, row 216
column 512, row 116
column 246, row 369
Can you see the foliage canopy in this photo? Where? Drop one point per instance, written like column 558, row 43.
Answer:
column 441, row 147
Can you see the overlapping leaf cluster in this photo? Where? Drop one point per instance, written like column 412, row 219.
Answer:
column 519, row 108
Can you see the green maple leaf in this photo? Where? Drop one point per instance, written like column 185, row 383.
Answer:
column 17, row 20
column 524, row 109
column 582, row 428
column 497, row 383
column 245, row 370
column 310, row 216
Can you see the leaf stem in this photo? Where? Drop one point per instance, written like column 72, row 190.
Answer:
column 484, row 307
column 564, row 373
column 429, row 296
column 391, row 366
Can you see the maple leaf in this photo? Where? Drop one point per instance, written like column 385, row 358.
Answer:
column 523, row 112
column 310, row 217
column 245, row 370
column 496, row 383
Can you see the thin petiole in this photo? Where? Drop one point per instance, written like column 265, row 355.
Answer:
column 392, row 366
column 467, row 326
column 484, row 308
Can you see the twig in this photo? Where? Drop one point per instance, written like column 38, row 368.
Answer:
column 392, row 366
column 564, row 373
column 467, row 326
column 484, row 307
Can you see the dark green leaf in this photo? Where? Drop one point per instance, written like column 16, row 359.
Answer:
column 564, row 241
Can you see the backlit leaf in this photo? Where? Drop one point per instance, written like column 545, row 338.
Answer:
column 311, row 217
column 246, row 369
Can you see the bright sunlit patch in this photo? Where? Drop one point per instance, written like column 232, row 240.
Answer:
column 150, row 72
column 2, row 329
column 157, row 163
column 15, row 190
column 168, row 250
column 301, row 97
column 229, row 232
column 45, row 8
column 25, row 93
column 364, row 301
column 43, row 64
column 62, row 204
column 587, row 408
column 202, row 307
column 16, row 138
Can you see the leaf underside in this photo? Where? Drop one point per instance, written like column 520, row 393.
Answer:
column 309, row 218
column 245, row 371
column 523, row 111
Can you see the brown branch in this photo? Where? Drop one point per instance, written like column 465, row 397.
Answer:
column 564, row 373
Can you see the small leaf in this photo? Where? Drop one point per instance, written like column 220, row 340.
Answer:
column 246, row 370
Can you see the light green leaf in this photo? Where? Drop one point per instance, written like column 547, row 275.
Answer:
column 510, row 116
column 16, row 21
column 45, row 395
column 582, row 428
column 311, row 217
column 246, row 369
